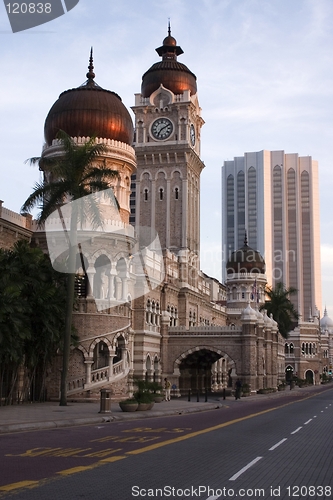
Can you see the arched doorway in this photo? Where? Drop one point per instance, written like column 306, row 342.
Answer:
column 309, row 376
column 196, row 370
column 289, row 374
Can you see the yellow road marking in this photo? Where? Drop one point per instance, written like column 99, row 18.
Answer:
column 74, row 470
column 20, row 484
column 112, row 459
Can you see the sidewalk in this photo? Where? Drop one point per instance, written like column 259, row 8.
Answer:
column 27, row 417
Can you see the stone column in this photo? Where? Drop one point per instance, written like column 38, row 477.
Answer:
column 91, row 271
column 112, row 275
column 88, row 362
column 111, row 356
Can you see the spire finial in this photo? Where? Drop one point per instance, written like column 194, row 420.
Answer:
column 169, row 27
column 91, row 75
column 245, row 239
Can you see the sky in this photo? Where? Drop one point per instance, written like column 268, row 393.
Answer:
column 265, row 81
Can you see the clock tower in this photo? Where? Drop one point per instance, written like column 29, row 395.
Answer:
column 167, row 145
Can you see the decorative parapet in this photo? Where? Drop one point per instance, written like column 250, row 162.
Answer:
column 24, row 221
column 109, row 226
column 98, row 140
column 205, row 330
column 116, row 148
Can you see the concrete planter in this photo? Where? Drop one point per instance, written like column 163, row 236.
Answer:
column 128, row 406
column 145, row 406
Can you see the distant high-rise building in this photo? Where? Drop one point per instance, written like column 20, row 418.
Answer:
column 274, row 197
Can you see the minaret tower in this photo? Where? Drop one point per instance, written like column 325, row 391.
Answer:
column 167, row 145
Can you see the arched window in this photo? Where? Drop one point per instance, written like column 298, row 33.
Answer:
column 145, row 195
column 148, row 312
column 161, row 193
column 157, row 314
column 291, row 348
column 176, row 193
column 172, row 312
column 153, row 313
column 286, row 348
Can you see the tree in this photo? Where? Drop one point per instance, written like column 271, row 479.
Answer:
column 32, row 300
column 280, row 306
column 71, row 176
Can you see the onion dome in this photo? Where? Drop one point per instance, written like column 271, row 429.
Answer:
column 326, row 322
column 246, row 260
column 169, row 72
column 249, row 314
column 89, row 110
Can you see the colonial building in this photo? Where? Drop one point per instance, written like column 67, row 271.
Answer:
column 144, row 307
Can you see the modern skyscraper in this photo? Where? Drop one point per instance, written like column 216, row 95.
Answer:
column 274, row 197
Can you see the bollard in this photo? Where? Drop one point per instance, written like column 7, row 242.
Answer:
column 197, row 396
column 189, row 395
column 224, row 393
column 105, row 402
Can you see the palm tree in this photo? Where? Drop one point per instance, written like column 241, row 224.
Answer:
column 280, row 306
column 71, row 176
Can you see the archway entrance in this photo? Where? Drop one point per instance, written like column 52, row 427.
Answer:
column 196, row 371
column 289, row 374
column 309, row 376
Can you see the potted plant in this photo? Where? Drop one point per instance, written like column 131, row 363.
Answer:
column 143, row 395
column 129, row 404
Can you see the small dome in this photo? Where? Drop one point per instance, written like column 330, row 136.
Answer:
column 169, row 72
column 170, row 40
column 267, row 320
column 87, row 111
column 249, row 314
column 246, row 260
column 326, row 321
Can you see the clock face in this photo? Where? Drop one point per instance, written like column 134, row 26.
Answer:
column 162, row 128
column 192, row 134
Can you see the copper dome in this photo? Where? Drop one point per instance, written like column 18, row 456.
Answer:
column 89, row 111
column 171, row 74
column 246, row 260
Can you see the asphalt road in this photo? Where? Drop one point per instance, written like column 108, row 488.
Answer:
column 265, row 449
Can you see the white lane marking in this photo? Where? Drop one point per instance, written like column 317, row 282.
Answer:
column 235, row 476
column 212, row 498
column 298, row 429
column 277, row 444
column 314, row 416
column 308, row 421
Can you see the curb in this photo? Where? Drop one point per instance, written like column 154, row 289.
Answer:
column 103, row 418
